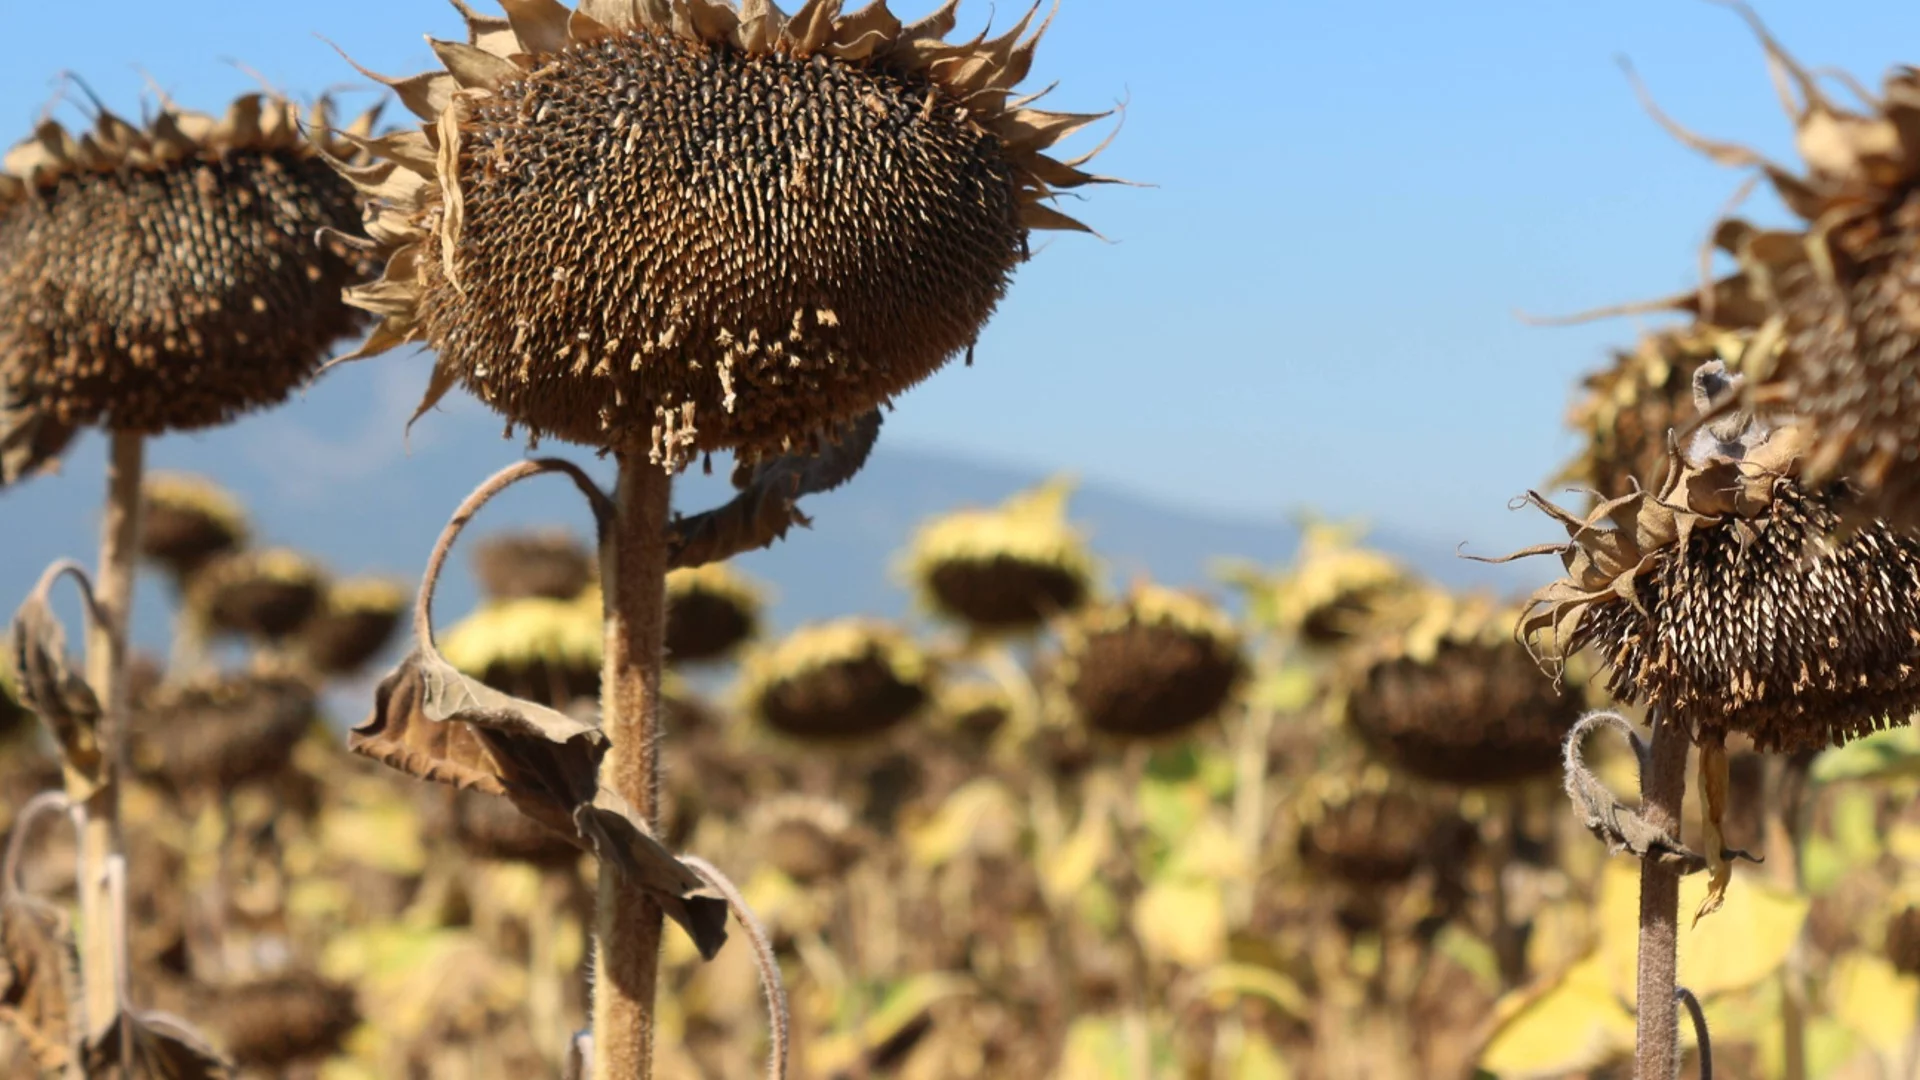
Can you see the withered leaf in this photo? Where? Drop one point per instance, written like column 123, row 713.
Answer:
column 621, row 837
column 39, row 973
column 48, row 684
column 1716, row 777
column 432, row 722
column 1620, row 827
column 769, row 501
column 163, row 1048
column 30, row 443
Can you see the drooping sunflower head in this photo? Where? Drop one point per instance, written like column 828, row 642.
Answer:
column 543, row 650
column 712, row 610
column 1625, row 411
column 807, row 838
column 214, row 732
column 1448, row 694
column 167, row 277
column 1730, row 598
column 266, row 594
column 1903, row 940
column 1372, row 833
column 277, row 1021
column 186, row 521
column 849, row 679
column 1005, row 569
column 1840, row 291
column 689, row 226
column 1152, row 664
column 550, row 563
column 355, row 621
column 1334, row 587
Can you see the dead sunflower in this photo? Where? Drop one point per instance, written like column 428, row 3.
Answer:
column 355, row 622
column 839, row 680
column 1903, row 940
column 1155, row 663
column 1626, row 411
column 1842, row 292
column 187, row 521
column 272, row 1023
column 1007, row 569
column 547, row 651
column 1726, row 597
column 977, row 710
column 550, row 563
column 213, row 733
column 1379, row 836
column 166, row 277
column 711, row 612
column 695, row 227
column 811, row 840
column 265, row 594
column 1449, row 695
column 1334, row 586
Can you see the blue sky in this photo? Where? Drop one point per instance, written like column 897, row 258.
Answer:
column 1315, row 303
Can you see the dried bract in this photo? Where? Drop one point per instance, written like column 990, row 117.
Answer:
column 696, row 227
column 167, row 277
column 1626, row 411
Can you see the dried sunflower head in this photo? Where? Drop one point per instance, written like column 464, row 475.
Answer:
column 274, row 1022
column 356, row 620
column 1007, row 569
column 1334, row 586
column 711, row 611
column 693, row 226
column 1625, row 412
column 1153, row 664
column 167, row 277
column 550, row 563
column 1448, row 695
column 848, row 679
column 1841, row 292
column 265, row 594
column 1728, row 598
column 806, row 838
column 1903, row 940
column 215, row 732
column 186, row 521
column 1372, row 834
column 547, row 651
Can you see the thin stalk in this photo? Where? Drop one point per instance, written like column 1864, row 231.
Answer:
column 1662, row 790
column 1786, row 826
column 103, row 961
column 628, row 923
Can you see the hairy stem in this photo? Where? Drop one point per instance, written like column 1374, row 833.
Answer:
column 103, row 964
column 1662, row 790
column 628, row 923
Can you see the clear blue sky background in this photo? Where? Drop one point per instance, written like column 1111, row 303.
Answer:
column 1315, row 305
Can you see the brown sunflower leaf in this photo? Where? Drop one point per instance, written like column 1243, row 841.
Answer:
column 1715, row 777
column 1620, row 827
column 163, row 1047
column 620, row 836
column 39, row 973
column 47, row 683
column 769, row 501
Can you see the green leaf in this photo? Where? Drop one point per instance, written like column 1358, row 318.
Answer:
column 1884, row 754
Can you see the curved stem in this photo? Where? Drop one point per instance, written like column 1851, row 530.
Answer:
column 1662, row 790
column 103, row 963
column 1700, row 1034
column 633, row 556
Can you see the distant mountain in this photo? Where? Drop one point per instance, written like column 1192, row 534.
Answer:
column 334, row 478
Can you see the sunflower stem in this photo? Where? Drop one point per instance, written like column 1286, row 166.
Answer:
column 103, row 961
column 1662, row 790
column 628, row 924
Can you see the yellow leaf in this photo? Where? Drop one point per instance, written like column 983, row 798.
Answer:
column 1229, row 981
column 1873, row 1001
column 1714, row 779
column 1747, row 941
column 980, row 818
column 1073, row 865
column 1096, row 1049
column 1209, row 852
column 1259, row 1060
column 1577, row 1023
column 1182, row 922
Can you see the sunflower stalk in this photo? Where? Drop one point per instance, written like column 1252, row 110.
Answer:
column 103, row 959
column 628, row 923
column 1663, row 788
